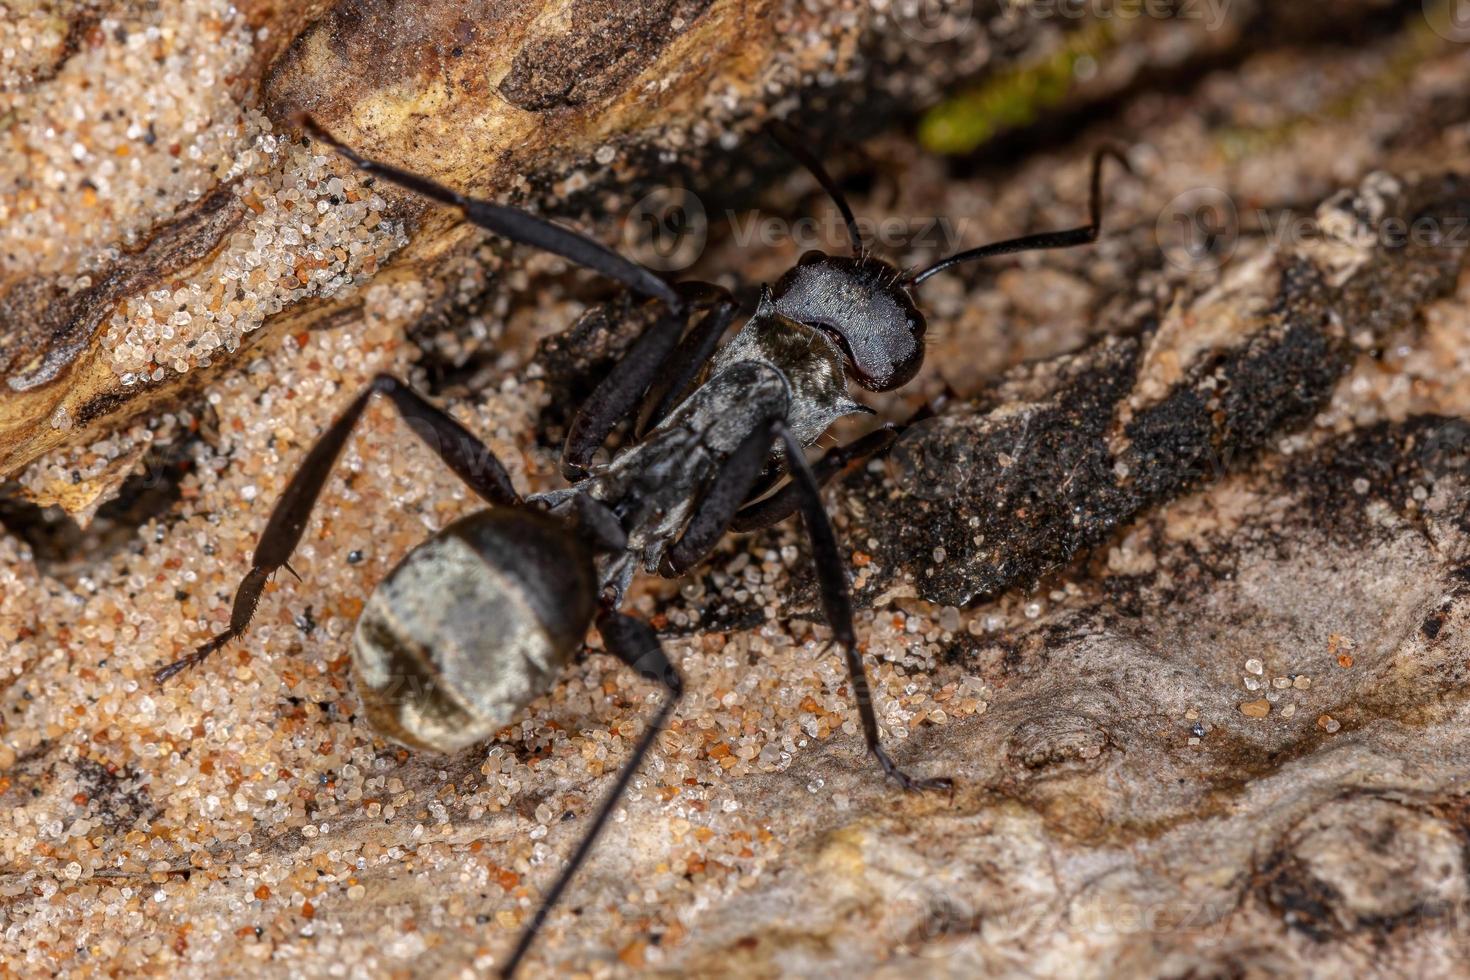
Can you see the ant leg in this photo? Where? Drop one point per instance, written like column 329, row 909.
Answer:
column 1085, row 235
column 634, row 643
column 759, row 514
column 513, row 223
column 598, row 524
column 837, row 604
column 617, row 394
column 693, row 351
column 931, row 408
column 626, row 384
column 785, row 502
column 712, row 515
column 475, row 464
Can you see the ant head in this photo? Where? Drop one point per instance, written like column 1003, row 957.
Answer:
column 863, row 304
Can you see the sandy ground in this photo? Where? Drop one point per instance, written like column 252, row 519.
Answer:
column 1228, row 745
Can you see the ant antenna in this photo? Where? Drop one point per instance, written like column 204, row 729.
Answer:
column 1085, row 235
column 513, row 223
column 787, row 138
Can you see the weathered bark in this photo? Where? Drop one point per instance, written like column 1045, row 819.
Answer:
column 495, row 97
column 1205, row 712
column 1059, row 455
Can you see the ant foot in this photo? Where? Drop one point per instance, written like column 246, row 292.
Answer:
column 907, row 782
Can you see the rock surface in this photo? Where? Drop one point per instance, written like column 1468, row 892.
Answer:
column 1219, row 730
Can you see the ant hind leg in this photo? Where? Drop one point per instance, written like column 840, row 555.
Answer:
column 509, row 222
column 720, row 505
column 634, row 643
column 460, row 450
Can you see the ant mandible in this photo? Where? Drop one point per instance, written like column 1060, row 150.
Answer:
column 478, row 620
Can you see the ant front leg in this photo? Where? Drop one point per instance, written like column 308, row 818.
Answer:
column 780, row 505
column 719, row 506
column 658, row 350
column 634, row 643
column 837, row 604
column 466, row 455
column 695, row 350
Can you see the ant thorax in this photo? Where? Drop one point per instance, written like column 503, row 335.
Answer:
column 774, row 367
column 651, row 485
column 806, row 357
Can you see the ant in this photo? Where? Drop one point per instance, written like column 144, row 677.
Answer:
column 710, row 439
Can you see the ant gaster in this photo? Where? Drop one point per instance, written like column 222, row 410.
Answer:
column 479, row 620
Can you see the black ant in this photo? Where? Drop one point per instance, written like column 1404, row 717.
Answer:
column 536, row 573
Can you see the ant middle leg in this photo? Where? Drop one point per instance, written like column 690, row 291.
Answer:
column 772, row 510
column 762, row 511
column 837, row 604
column 658, row 350
column 460, row 450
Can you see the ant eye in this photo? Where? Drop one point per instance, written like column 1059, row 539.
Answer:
column 901, row 357
column 812, row 255
column 862, row 306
